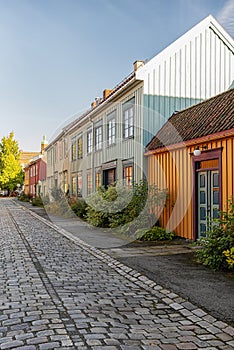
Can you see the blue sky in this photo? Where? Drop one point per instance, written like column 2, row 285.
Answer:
column 58, row 55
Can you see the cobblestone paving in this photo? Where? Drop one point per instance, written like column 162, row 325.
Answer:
column 59, row 293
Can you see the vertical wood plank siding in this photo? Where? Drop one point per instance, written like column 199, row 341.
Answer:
column 197, row 69
column 173, row 170
column 202, row 67
column 123, row 149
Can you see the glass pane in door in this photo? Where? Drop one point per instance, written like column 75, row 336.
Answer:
column 202, row 203
column 208, row 199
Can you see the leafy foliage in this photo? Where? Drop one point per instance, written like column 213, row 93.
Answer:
column 156, row 233
column 10, row 170
column 24, row 197
column 119, row 206
column 229, row 254
column 220, row 238
column 79, row 207
column 57, row 204
column 37, row 201
column 57, row 194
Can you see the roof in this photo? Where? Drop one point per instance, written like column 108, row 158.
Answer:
column 205, row 118
column 73, row 124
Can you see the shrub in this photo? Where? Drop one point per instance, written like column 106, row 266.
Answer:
column 220, row 238
column 46, row 199
column 57, row 193
column 119, row 206
column 24, row 197
column 37, row 201
column 79, row 207
column 58, row 204
column 156, row 233
column 229, row 254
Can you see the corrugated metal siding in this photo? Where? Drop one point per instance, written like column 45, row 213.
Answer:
column 173, row 171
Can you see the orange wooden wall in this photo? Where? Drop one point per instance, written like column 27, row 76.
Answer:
column 173, row 170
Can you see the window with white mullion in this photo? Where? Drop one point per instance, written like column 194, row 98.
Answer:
column 128, row 122
column 79, row 147
column 74, row 149
column 98, row 137
column 111, row 132
column 89, row 141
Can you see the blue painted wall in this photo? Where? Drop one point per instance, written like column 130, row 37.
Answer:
column 157, row 110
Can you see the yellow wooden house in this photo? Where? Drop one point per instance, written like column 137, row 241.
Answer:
column 192, row 156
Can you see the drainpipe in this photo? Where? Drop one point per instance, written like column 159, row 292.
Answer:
column 92, row 155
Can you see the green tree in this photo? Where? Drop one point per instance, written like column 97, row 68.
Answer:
column 10, row 170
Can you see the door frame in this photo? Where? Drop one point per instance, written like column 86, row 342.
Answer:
column 205, row 155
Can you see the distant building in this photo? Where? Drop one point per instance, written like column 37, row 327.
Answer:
column 25, row 157
column 35, row 173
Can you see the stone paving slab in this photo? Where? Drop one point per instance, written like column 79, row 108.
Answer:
column 148, row 251
column 56, row 292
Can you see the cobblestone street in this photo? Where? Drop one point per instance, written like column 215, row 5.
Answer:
column 57, row 292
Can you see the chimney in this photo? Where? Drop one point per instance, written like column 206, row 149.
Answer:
column 44, row 143
column 137, row 65
column 106, row 93
column 97, row 100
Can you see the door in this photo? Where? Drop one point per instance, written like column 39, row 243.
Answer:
column 108, row 177
column 208, row 199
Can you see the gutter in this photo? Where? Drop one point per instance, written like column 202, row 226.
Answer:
column 192, row 142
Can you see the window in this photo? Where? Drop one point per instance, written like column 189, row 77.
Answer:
column 74, row 149
column 128, row 118
column 111, row 129
column 65, row 148
column 79, row 147
column 89, row 183
column 60, row 150
column 79, row 183
column 89, row 141
column 128, row 175
column 74, row 185
column 98, row 138
column 98, row 179
column 65, row 181
column 55, row 153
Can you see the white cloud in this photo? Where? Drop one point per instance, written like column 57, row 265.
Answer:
column 226, row 17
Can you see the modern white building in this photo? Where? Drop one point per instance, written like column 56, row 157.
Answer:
column 108, row 141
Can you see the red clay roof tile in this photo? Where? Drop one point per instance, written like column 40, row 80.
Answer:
column 205, row 118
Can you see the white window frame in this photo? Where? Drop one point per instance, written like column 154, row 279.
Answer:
column 79, row 153
column 89, row 141
column 98, row 137
column 128, row 119
column 111, row 131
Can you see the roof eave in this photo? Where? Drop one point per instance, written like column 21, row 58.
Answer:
column 193, row 142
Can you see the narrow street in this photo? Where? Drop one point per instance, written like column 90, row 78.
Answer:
column 57, row 292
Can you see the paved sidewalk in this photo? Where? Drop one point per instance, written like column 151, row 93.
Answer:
column 57, row 292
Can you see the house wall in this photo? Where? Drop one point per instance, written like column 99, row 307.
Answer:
column 129, row 149
column 26, row 180
column 173, row 170
column 197, row 66
column 58, row 163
